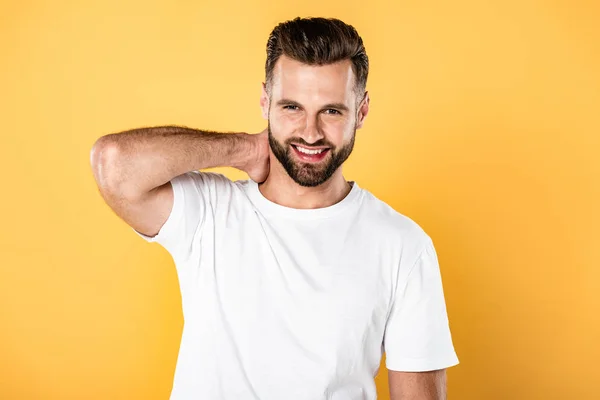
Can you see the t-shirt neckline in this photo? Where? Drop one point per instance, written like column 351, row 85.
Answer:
column 267, row 206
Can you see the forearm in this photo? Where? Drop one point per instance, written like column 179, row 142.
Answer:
column 139, row 160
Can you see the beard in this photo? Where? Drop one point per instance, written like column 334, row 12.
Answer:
column 310, row 174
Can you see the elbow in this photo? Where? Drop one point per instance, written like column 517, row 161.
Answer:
column 103, row 158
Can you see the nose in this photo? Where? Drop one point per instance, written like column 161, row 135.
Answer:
column 312, row 130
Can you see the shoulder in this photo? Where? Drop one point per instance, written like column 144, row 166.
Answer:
column 207, row 187
column 208, row 181
column 390, row 223
column 205, row 178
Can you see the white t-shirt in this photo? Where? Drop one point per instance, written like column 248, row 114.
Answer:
column 298, row 304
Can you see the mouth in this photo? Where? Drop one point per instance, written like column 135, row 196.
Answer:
column 310, row 154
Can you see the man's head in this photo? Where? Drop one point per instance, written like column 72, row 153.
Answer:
column 314, row 96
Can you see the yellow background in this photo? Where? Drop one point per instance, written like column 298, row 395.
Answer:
column 484, row 128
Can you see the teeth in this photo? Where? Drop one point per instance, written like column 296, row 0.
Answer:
column 306, row 151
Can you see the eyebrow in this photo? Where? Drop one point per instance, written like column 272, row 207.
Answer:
column 288, row 102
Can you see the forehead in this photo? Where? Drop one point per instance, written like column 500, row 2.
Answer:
column 313, row 83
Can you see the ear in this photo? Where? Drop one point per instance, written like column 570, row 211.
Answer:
column 264, row 102
column 363, row 110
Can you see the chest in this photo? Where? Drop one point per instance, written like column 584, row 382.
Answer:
column 316, row 285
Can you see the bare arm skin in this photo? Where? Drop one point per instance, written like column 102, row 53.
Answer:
column 430, row 385
column 133, row 168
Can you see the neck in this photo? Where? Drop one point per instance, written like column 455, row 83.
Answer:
column 281, row 189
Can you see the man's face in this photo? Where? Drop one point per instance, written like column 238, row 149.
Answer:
column 313, row 117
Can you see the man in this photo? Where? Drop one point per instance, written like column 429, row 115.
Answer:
column 294, row 281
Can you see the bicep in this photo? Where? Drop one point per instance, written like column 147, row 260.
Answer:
column 191, row 197
column 146, row 213
column 429, row 385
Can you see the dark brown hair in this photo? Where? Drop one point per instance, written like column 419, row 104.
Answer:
column 318, row 41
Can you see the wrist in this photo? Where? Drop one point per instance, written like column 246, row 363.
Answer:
column 245, row 150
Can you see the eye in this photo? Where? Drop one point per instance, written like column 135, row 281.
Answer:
column 333, row 111
column 290, row 107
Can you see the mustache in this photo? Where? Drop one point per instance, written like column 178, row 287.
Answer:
column 318, row 143
column 299, row 140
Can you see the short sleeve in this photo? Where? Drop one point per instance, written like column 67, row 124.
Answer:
column 190, row 202
column 417, row 335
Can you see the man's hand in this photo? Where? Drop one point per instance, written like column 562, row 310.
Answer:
column 258, row 165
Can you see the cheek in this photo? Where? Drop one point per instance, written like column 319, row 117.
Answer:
column 292, row 118
column 286, row 122
column 339, row 128
column 281, row 127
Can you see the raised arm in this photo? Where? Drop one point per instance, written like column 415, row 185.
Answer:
column 133, row 168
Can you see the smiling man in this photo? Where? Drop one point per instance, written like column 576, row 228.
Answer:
column 295, row 281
